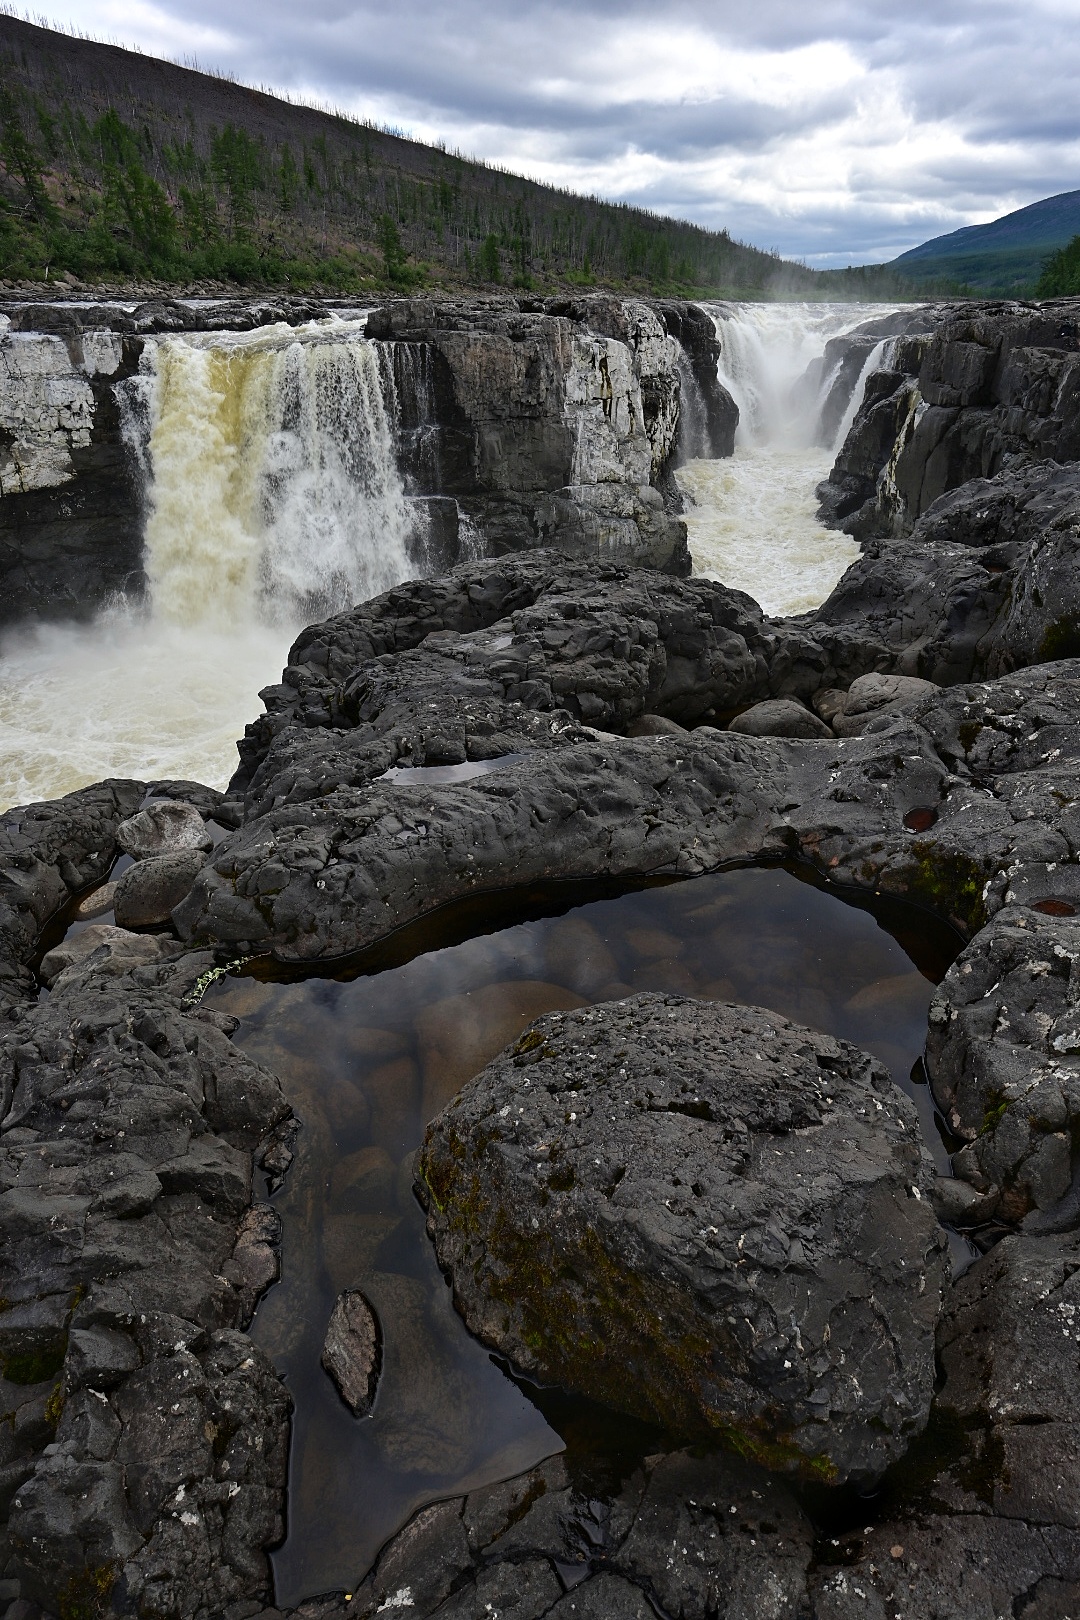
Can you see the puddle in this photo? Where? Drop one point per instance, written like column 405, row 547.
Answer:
column 410, row 775
column 367, row 1061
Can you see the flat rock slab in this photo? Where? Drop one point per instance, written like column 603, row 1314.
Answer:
column 352, row 1351
column 705, row 1215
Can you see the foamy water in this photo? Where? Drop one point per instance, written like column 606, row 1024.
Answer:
column 751, row 520
column 128, row 696
column 752, row 526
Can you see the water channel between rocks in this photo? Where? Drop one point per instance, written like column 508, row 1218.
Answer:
column 367, row 1061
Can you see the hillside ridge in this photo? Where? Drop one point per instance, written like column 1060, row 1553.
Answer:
column 115, row 164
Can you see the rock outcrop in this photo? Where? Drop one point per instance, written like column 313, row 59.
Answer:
column 143, row 1464
column 991, row 387
column 540, row 421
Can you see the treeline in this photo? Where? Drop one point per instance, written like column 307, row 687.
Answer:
column 114, row 165
column 1061, row 273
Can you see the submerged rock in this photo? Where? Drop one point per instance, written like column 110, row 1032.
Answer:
column 352, row 1351
column 118, row 946
column 163, row 826
column 704, row 1215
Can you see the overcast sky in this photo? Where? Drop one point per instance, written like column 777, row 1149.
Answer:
column 838, row 131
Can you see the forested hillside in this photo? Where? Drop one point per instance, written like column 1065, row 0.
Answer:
column 114, row 165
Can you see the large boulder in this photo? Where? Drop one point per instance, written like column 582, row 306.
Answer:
column 704, row 1215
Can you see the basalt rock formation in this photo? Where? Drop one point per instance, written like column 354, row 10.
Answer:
column 704, row 1214
column 991, row 388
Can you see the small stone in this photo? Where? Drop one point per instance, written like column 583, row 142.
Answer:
column 163, row 826
column 352, row 1351
column 96, row 904
column 896, row 1552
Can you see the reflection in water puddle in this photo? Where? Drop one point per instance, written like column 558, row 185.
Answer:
column 411, row 775
column 367, row 1062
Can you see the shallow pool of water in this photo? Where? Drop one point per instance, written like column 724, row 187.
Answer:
column 367, row 1061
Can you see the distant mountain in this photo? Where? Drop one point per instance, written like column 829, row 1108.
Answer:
column 1003, row 257
column 115, row 165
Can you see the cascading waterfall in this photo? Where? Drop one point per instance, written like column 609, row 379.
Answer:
column 273, row 498
column 275, row 491
column 751, row 518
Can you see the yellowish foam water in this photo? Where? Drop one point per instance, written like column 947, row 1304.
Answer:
column 128, row 696
column 752, row 525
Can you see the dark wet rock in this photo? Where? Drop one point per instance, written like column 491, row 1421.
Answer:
column 981, row 1566
column 162, row 827
column 992, row 384
column 550, row 421
column 147, row 892
column 1001, row 1055
column 49, row 853
column 352, row 1351
column 779, row 717
column 994, row 1524
column 743, row 1548
column 952, row 806
column 685, row 1210
column 985, row 583
column 462, row 668
column 130, row 1261
column 708, row 416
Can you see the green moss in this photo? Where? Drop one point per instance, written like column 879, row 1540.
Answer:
column 950, row 883
column 85, row 1596
column 33, row 1366
column 996, row 1108
column 54, row 1406
column 1061, row 640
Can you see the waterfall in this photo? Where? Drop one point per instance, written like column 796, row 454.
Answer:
column 751, row 519
column 765, row 352
column 273, row 497
column 878, row 358
column 274, row 491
